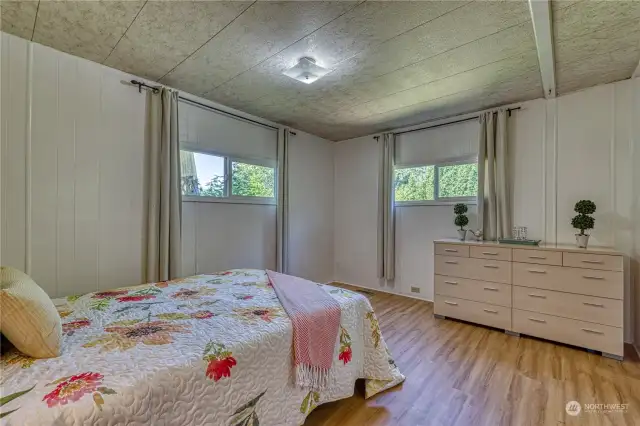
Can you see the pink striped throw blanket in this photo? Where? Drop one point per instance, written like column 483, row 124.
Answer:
column 316, row 320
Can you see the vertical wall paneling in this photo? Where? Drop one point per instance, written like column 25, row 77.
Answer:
column 88, row 87
column 15, row 71
column 311, row 200
column 44, row 169
column 550, row 166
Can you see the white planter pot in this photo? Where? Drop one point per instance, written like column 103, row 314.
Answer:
column 462, row 233
column 582, row 240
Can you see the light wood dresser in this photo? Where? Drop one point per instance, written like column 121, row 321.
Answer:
column 560, row 293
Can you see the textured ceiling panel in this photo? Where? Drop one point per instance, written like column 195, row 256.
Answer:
column 18, row 17
column 597, row 69
column 350, row 34
column 260, row 32
column 596, row 42
column 89, row 29
column 157, row 41
column 586, row 16
column 514, row 41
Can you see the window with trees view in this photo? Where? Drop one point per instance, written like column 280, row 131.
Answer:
column 440, row 182
column 208, row 175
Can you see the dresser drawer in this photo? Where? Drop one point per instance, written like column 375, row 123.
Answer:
column 492, row 253
column 569, row 280
column 481, row 313
column 479, row 291
column 592, row 261
column 576, row 306
column 452, row 250
column 578, row 333
column 542, row 257
column 475, row 269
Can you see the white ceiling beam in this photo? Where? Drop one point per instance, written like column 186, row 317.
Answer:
column 543, row 30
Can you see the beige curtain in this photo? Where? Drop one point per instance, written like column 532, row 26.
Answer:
column 282, row 221
column 164, row 199
column 386, row 211
column 494, row 209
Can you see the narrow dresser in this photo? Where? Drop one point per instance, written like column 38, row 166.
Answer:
column 559, row 293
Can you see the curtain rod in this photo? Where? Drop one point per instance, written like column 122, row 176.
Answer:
column 475, row 117
column 156, row 89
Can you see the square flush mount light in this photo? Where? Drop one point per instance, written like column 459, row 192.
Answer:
column 306, row 71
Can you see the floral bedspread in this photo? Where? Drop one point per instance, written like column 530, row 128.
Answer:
column 209, row 349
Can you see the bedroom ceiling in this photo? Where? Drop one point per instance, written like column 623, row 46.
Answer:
column 393, row 63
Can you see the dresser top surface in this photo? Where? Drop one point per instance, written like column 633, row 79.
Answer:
column 542, row 246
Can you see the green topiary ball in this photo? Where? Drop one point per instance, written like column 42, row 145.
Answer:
column 583, row 222
column 461, row 221
column 585, row 207
column 460, row 208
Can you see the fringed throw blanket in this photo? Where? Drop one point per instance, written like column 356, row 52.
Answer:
column 315, row 316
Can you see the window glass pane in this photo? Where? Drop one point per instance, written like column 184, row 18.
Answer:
column 459, row 180
column 249, row 180
column 202, row 174
column 414, row 183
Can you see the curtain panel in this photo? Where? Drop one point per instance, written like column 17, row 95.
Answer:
column 164, row 197
column 494, row 209
column 386, row 210
column 282, row 213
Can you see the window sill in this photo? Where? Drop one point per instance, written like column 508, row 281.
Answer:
column 434, row 203
column 230, row 200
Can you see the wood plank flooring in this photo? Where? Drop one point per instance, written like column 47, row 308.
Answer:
column 460, row 374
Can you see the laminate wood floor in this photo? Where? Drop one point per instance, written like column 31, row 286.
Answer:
column 462, row 374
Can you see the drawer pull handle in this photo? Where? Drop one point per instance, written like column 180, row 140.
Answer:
column 451, row 282
column 596, row 262
column 589, row 330
column 592, row 277
column 492, row 266
column 451, row 262
column 450, row 303
column 536, row 271
column 537, row 257
column 597, row 305
column 491, row 311
column 490, row 253
column 536, row 320
column 451, row 250
column 539, row 296
column 491, row 288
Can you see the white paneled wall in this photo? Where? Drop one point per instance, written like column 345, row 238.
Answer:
column 311, row 207
column 579, row 146
column 72, row 208
column 218, row 236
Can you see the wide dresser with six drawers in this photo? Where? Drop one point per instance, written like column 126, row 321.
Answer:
column 561, row 293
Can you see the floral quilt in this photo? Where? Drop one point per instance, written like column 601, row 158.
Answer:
column 209, row 349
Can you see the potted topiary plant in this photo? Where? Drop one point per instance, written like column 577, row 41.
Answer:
column 461, row 219
column 583, row 221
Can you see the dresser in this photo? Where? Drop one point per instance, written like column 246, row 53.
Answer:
column 560, row 293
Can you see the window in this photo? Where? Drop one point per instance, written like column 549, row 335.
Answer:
column 202, row 174
column 251, row 180
column 211, row 177
column 448, row 182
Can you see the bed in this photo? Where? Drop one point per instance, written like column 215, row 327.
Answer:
column 208, row 349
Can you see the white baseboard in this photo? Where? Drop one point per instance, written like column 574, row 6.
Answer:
column 382, row 291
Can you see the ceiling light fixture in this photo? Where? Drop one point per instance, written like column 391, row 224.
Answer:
column 306, row 71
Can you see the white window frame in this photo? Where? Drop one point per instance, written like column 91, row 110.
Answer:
column 228, row 198
column 438, row 201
